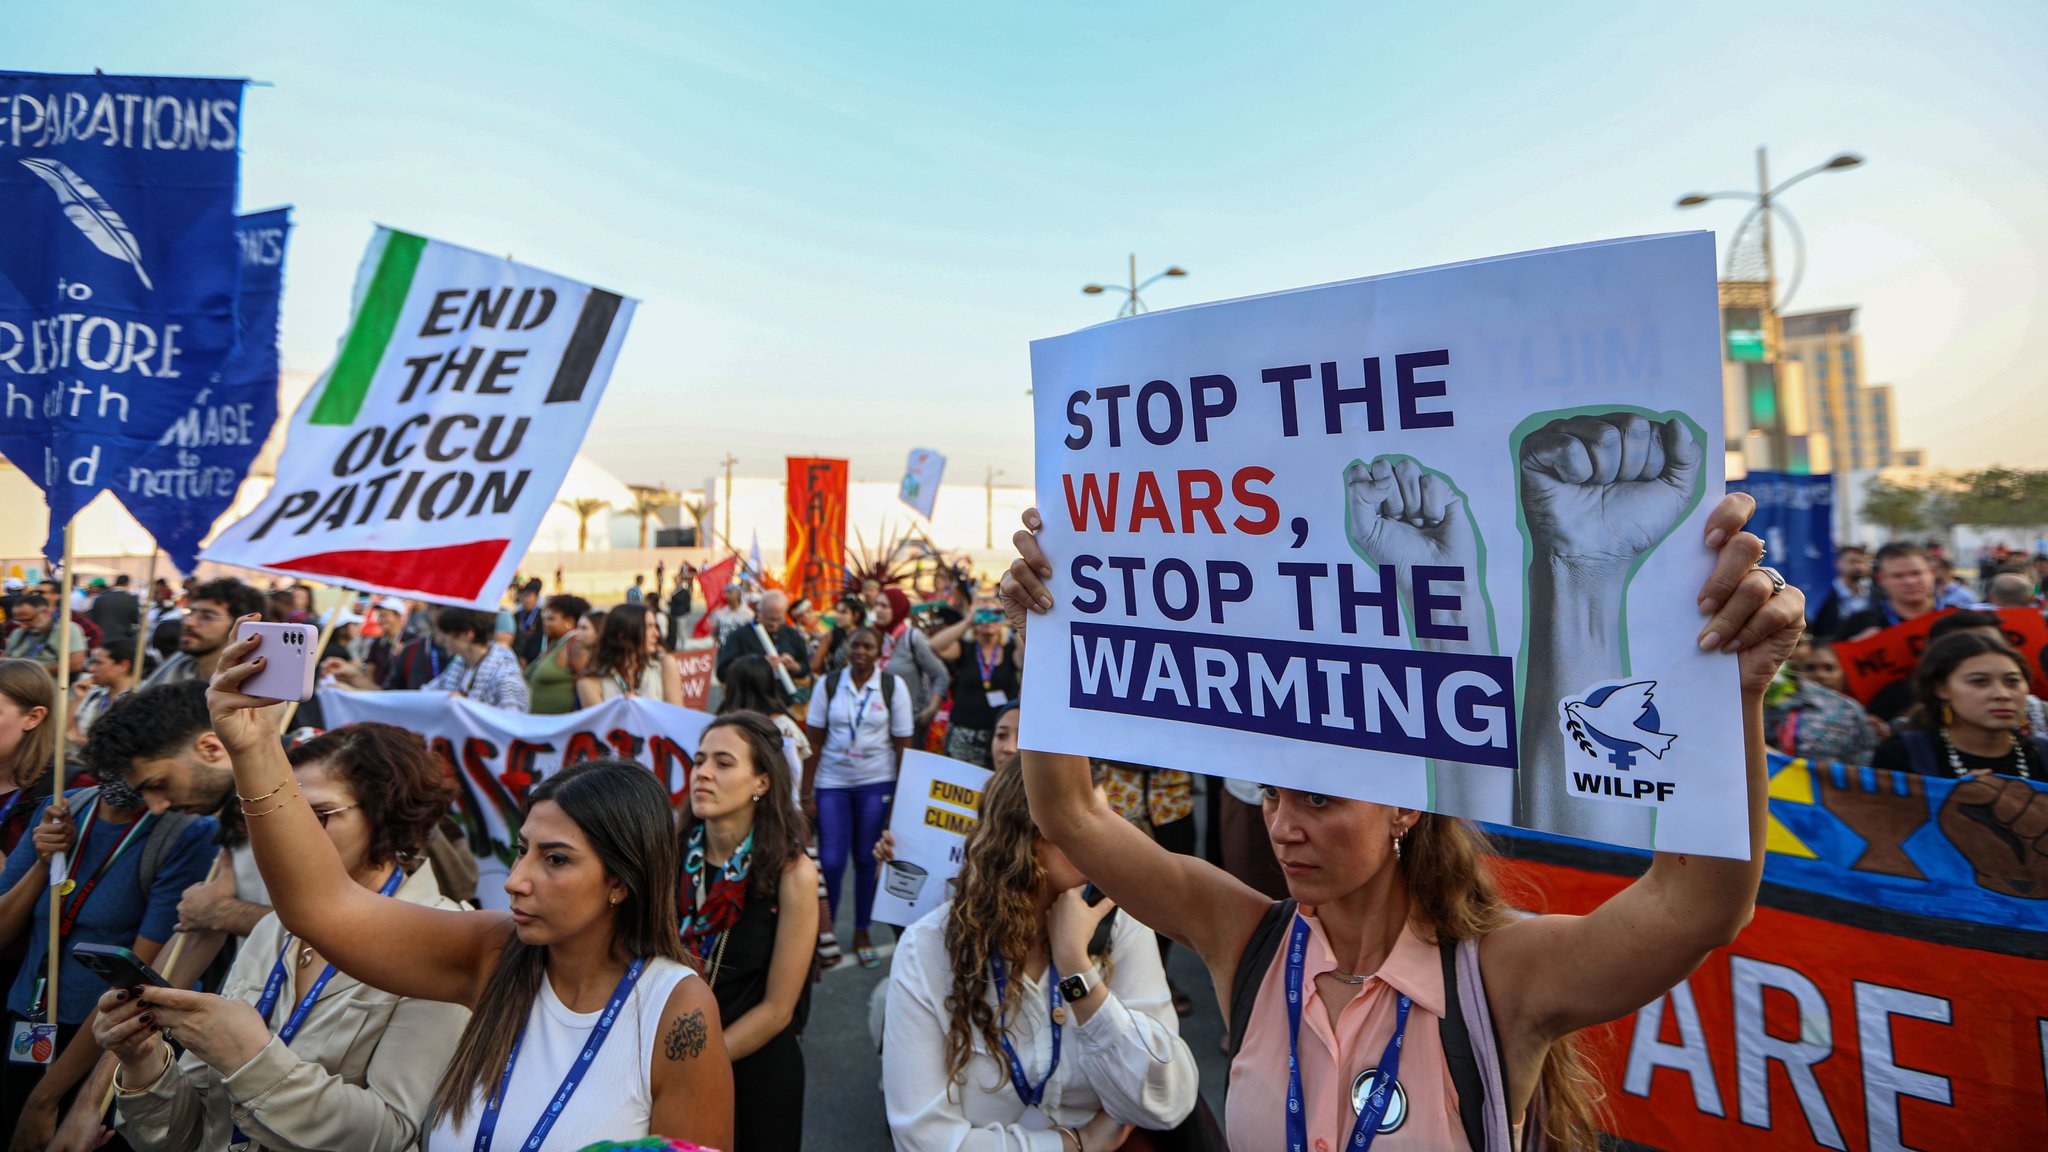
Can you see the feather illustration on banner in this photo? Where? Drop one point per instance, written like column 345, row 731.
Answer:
column 91, row 213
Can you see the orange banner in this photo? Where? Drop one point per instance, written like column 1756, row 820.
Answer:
column 1882, row 659
column 816, row 532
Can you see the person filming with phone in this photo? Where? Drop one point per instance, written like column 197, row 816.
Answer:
column 294, row 1054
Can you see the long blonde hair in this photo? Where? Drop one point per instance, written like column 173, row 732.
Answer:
column 28, row 685
column 996, row 915
column 1452, row 889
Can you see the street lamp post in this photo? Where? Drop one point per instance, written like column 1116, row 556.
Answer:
column 1764, row 212
column 1132, row 303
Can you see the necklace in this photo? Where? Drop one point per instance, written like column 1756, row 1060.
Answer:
column 1346, row 977
column 1955, row 760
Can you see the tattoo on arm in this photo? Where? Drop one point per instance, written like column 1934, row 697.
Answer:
column 686, row 1037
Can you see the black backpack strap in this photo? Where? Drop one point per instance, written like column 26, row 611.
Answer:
column 1251, row 971
column 162, row 840
column 889, row 696
column 1457, row 1045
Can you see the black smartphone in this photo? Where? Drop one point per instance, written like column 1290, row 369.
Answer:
column 118, row 966
column 1091, row 894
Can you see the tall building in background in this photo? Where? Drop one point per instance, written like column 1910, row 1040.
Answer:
column 1858, row 419
column 1765, row 403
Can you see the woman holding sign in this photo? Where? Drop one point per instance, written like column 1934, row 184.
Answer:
column 750, row 917
column 1022, row 1016
column 308, row 1057
column 583, row 980
column 1394, row 912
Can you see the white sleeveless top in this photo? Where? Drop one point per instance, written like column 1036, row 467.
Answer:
column 616, row 1098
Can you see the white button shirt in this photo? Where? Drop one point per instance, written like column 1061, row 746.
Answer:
column 1128, row 1059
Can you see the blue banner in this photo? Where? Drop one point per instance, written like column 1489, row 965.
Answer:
column 189, row 479
column 1795, row 515
column 117, row 269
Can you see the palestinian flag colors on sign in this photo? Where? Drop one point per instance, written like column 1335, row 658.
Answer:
column 423, row 461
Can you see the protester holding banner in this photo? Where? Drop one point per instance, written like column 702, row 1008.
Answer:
column 770, row 635
column 629, row 661
column 205, row 629
column 1021, row 1016
column 985, row 675
column 750, row 917
column 551, row 674
column 293, row 1054
column 1906, row 580
column 859, row 723
column 1389, row 890
column 591, row 940
column 1969, row 716
column 907, row 652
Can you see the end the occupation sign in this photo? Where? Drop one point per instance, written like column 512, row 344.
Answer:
column 423, row 461
column 1430, row 539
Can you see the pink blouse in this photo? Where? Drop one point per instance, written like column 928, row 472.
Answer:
column 1331, row 1059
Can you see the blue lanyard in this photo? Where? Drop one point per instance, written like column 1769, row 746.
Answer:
column 1368, row 1124
column 860, row 709
column 988, row 670
column 1025, row 1092
column 275, row 985
column 487, row 1125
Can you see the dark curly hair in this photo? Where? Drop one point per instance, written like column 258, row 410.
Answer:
column 402, row 788
column 149, row 724
column 478, row 626
column 238, row 598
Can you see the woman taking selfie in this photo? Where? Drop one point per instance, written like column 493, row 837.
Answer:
column 583, row 980
column 750, row 916
column 1394, row 908
column 986, row 674
column 1969, row 717
column 293, row 1054
column 629, row 661
column 1020, row 1016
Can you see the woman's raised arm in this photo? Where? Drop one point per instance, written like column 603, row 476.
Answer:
column 1182, row 897
column 403, row 948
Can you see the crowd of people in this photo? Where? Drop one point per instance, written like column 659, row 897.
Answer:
column 1961, row 704
column 333, row 984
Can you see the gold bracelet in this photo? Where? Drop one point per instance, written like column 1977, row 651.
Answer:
column 281, row 806
column 122, row 1090
column 267, row 795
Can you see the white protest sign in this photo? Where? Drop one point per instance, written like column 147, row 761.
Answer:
column 938, row 802
column 422, row 462
column 922, row 472
column 1431, row 539
column 498, row 755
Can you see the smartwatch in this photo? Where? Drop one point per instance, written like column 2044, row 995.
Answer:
column 1076, row 988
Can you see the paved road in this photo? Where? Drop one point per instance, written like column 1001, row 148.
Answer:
column 843, row 1109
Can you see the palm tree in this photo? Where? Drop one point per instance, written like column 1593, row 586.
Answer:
column 697, row 511
column 648, row 503
column 584, row 508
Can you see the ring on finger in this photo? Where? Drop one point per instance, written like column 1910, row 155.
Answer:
column 1777, row 578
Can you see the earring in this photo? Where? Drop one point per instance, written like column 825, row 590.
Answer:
column 615, row 900
column 1948, row 715
column 757, row 797
column 1397, row 847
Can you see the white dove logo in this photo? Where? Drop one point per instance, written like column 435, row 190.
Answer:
column 1618, row 716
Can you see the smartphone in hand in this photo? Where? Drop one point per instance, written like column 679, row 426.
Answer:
column 118, row 966
column 289, row 662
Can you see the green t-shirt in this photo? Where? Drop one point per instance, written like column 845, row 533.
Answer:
column 41, row 647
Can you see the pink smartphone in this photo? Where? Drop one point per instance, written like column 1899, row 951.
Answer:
column 289, row 662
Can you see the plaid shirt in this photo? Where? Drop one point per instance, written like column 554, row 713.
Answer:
column 498, row 680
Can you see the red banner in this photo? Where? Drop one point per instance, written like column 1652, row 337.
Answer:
column 1812, row 1033
column 1877, row 661
column 816, row 531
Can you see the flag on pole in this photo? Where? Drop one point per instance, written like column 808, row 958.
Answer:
column 754, row 557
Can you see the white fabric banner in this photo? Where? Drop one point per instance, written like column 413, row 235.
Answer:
column 1431, row 539
column 422, row 462
column 921, row 476
column 938, row 802
column 498, row 755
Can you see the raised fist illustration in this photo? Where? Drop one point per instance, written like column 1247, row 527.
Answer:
column 1604, row 489
column 2000, row 825
column 1398, row 512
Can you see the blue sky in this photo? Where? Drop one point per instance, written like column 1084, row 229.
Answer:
column 845, row 222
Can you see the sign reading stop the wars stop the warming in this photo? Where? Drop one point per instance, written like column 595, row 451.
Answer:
column 422, row 463
column 1431, row 539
